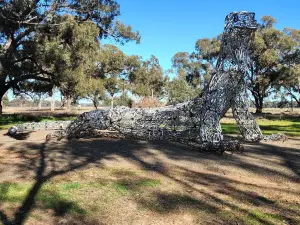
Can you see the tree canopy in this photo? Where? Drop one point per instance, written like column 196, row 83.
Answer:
column 148, row 79
column 24, row 24
column 275, row 56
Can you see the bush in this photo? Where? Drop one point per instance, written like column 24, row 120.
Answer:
column 147, row 102
column 123, row 100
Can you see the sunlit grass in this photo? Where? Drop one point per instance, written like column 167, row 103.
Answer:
column 48, row 197
column 257, row 217
column 98, row 195
column 12, row 192
column 70, row 186
column 287, row 127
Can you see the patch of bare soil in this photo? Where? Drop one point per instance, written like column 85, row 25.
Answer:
column 141, row 182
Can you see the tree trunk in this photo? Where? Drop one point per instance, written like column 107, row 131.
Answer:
column 62, row 102
column 259, row 102
column 3, row 90
column 1, row 110
column 112, row 102
column 52, row 101
column 2, row 93
column 69, row 102
column 40, row 103
column 95, row 102
column 295, row 98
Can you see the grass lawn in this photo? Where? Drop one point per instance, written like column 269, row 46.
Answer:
column 287, row 127
column 101, row 194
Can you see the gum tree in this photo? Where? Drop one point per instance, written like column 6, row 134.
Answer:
column 22, row 20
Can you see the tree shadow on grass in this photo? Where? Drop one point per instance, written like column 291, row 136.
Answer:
column 48, row 198
column 59, row 158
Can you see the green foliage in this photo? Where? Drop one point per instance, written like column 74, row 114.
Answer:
column 290, row 75
column 189, row 67
column 123, row 100
column 178, row 90
column 112, row 86
column 70, row 55
column 96, row 92
column 148, row 78
column 190, row 79
column 114, row 68
column 276, row 60
column 274, row 54
column 56, row 41
column 208, row 49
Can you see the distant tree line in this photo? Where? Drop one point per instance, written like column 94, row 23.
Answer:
column 56, row 46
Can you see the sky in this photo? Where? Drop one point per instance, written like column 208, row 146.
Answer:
column 170, row 26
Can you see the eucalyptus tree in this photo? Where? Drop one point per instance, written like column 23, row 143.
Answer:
column 21, row 21
column 187, row 65
column 178, row 90
column 37, row 90
column 114, row 67
column 290, row 76
column 274, row 54
column 148, row 78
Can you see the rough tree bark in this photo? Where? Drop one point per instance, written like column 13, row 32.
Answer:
column 259, row 102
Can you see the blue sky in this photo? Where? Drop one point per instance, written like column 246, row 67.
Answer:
column 170, row 26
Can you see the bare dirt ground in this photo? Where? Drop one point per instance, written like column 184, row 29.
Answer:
column 139, row 182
